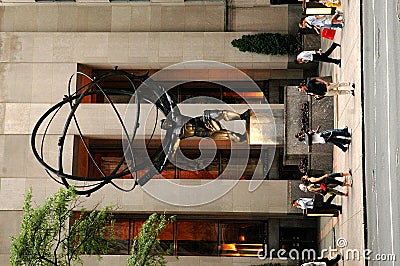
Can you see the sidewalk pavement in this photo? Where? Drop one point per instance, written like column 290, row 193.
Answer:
column 348, row 112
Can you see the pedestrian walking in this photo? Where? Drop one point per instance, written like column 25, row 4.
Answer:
column 309, row 203
column 307, row 56
column 320, row 88
column 338, row 137
column 328, row 180
column 323, row 190
column 317, row 22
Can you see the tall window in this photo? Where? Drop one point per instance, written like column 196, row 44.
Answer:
column 189, row 236
column 179, row 93
column 107, row 154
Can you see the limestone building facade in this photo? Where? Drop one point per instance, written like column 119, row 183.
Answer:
column 42, row 43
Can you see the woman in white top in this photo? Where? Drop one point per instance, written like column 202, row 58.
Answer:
column 320, row 21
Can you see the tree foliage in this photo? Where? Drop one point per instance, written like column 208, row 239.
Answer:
column 268, row 43
column 46, row 238
column 145, row 246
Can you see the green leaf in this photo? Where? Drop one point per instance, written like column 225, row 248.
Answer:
column 267, row 43
column 144, row 248
column 46, row 238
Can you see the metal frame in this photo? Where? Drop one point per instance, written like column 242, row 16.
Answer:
column 154, row 94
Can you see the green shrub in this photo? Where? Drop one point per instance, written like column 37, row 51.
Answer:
column 268, row 43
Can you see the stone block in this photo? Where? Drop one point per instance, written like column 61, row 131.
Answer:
column 118, row 48
column 173, row 18
column 240, row 195
column 170, row 45
column 47, row 18
column 215, row 18
column 65, row 47
column 99, row 18
column 7, row 81
column 12, row 194
column 43, row 48
column 8, row 18
column 8, row 229
column 263, row 199
column 120, row 18
column 195, row 17
column 59, row 85
column 20, row 90
column 69, row 18
column 138, row 44
column 91, row 118
column 42, row 80
column 262, row 19
column 5, row 48
column 82, row 19
column 140, row 18
column 155, row 13
column 214, row 44
column 17, row 116
column 193, row 44
column 21, row 47
column 26, row 18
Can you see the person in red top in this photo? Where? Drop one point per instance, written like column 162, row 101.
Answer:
column 328, row 179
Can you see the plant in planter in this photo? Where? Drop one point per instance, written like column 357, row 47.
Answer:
column 268, row 43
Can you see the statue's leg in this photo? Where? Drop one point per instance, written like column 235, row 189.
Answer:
column 227, row 115
column 222, row 115
column 228, row 135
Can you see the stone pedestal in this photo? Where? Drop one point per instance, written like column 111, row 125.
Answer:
column 320, row 114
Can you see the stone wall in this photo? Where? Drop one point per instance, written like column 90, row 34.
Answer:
column 321, row 113
column 142, row 16
column 113, row 17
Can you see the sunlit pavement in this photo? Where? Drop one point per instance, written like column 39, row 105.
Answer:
column 348, row 112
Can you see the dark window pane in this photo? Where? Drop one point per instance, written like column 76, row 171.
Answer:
column 209, row 163
column 197, row 238
column 121, row 229
column 241, row 239
column 167, row 240
column 297, row 238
